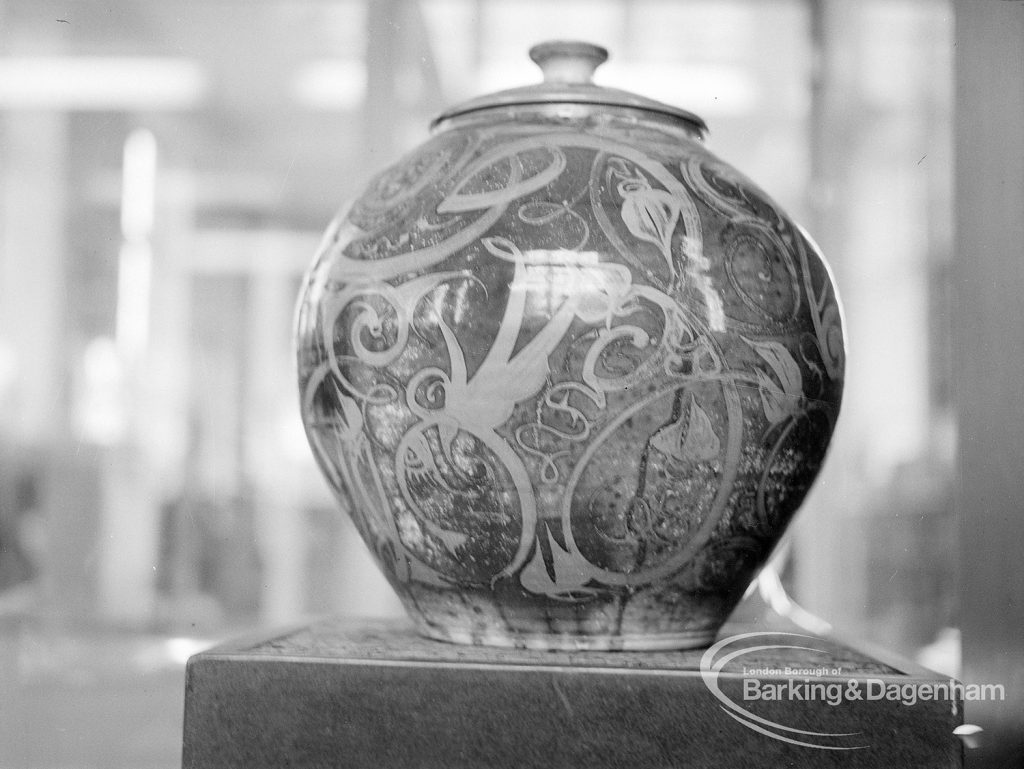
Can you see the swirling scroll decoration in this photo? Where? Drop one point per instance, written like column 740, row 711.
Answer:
column 547, row 364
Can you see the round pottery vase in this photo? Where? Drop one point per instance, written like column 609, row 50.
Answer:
column 570, row 373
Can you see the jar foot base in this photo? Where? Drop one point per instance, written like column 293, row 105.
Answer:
column 691, row 639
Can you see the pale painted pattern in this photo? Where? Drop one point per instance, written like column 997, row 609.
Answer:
column 570, row 412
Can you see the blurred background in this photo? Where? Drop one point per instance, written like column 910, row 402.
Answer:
column 166, row 170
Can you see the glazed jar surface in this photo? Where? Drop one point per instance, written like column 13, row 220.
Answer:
column 571, row 376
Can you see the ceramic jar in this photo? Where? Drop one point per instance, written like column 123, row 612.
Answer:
column 570, row 374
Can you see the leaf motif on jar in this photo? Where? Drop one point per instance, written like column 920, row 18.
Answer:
column 691, row 438
column 781, row 397
column 650, row 215
column 452, row 540
column 825, row 312
column 568, row 576
column 833, row 343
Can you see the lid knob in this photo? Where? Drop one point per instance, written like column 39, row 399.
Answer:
column 568, row 61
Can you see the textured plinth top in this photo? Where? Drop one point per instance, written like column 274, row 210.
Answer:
column 379, row 641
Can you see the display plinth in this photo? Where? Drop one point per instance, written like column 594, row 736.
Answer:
column 362, row 694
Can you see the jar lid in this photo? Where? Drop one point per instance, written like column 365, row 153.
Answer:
column 568, row 67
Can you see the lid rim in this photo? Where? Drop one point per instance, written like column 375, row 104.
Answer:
column 541, row 100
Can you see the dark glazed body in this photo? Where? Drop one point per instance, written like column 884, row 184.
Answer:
column 572, row 376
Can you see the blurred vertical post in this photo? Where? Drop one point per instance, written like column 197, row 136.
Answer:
column 135, row 264
column 32, row 289
column 33, row 334
column 276, row 501
column 989, row 363
column 130, row 525
column 33, row 331
column 33, row 322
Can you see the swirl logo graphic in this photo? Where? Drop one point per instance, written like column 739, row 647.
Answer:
column 733, row 648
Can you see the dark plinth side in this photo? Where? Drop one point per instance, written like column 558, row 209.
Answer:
column 360, row 694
